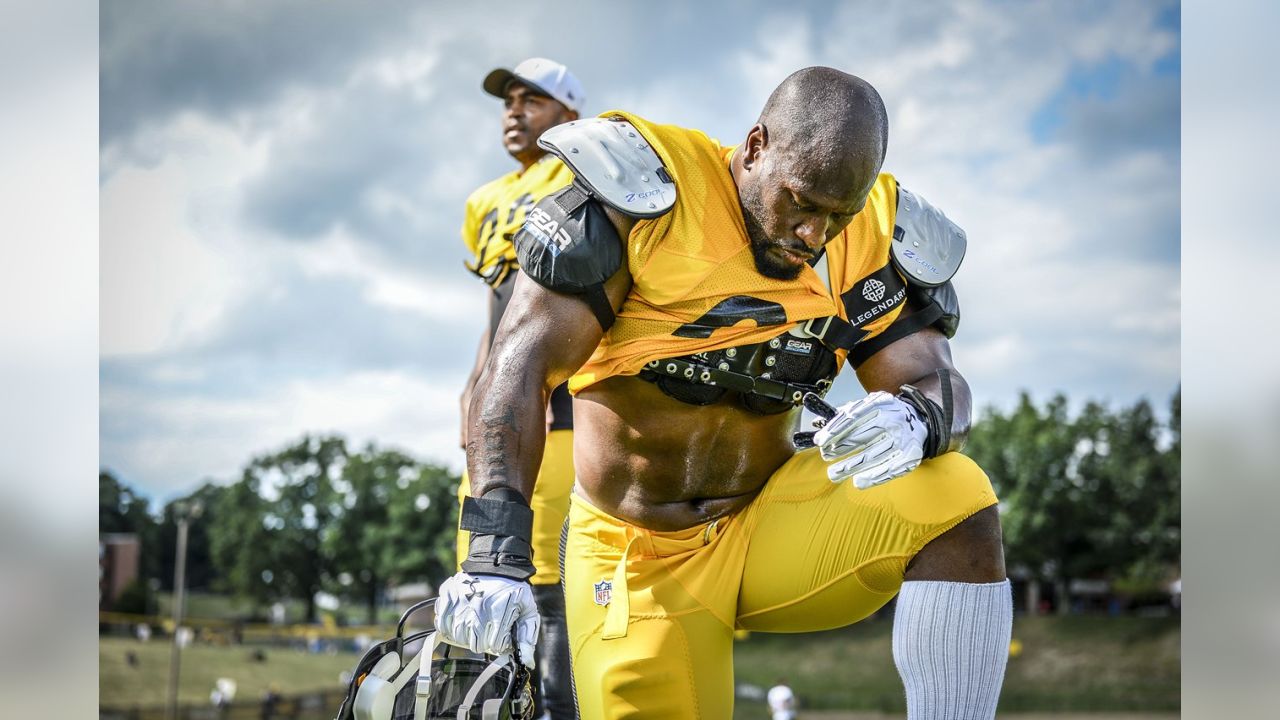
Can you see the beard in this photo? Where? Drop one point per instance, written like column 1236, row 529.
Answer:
column 766, row 264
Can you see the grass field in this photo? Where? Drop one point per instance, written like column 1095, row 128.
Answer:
column 1067, row 664
column 1075, row 663
column 120, row 685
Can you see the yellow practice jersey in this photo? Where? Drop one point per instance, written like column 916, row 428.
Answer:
column 695, row 286
column 496, row 210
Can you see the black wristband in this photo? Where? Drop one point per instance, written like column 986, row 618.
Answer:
column 503, row 555
column 937, row 420
column 490, row 516
column 500, row 534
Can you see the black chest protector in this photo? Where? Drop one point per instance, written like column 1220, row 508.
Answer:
column 769, row 377
column 773, row 377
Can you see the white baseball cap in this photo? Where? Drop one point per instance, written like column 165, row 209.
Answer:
column 546, row 76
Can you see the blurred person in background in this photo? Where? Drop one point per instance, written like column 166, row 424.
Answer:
column 782, row 701
column 271, row 700
column 537, row 95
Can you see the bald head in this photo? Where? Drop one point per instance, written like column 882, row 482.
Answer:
column 807, row 166
column 829, row 120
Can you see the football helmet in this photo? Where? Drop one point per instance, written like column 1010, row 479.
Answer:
column 458, row 685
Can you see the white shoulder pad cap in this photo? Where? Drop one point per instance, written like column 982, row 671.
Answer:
column 927, row 246
column 614, row 162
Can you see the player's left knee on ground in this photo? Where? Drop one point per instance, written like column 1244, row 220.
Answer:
column 970, row 552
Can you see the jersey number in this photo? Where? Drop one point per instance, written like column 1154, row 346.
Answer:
column 732, row 311
column 489, row 225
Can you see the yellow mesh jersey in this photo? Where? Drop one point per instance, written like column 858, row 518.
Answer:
column 696, row 260
column 496, row 210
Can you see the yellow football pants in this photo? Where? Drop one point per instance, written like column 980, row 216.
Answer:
column 550, row 505
column 651, row 614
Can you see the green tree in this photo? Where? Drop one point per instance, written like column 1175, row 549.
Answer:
column 1169, row 543
column 394, row 520
column 1137, row 497
column 1087, row 497
column 423, row 527
column 240, row 542
column 316, row 517
column 122, row 510
column 201, row 571
column 301, row 477
column 1028, row 455
column 136, row 598
column 359, row 507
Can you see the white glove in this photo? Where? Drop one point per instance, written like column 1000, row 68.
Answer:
column 873, row 440
column 478, row 611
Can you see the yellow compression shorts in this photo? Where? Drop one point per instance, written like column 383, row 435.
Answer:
column 651, row 615
column 550, row 505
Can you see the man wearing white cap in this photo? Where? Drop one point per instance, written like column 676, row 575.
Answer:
column 538, row 94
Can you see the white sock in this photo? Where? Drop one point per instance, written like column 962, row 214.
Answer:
column 951, row 643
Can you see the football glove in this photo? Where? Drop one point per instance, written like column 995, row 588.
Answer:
column 478, row 612
column 870, row 441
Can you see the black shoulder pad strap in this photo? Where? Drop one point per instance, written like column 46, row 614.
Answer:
column 905, row 325
column 944, row 298
column 568, row 245
column 937, row 307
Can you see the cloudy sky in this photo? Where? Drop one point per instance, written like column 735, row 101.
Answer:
column 281, row 185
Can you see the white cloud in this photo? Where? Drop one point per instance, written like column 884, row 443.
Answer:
column 223, row 224
column 170, row 265
column 787, row 43
column 184, row 439
column 996, row 355
column 432, row 294
column 1113, row 35
column 410, row 70
column 1071, row 277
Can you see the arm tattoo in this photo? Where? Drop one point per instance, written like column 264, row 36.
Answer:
column 496, row 445
column 506, row 444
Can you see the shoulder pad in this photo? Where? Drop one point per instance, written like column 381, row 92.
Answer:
column 927, row 246
column 569, row 245
column 612, row 160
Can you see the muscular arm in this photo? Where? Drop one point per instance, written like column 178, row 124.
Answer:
column 543, row 339
column 915, row 360
column 482, row 356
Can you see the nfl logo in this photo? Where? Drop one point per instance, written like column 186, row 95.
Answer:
column 604, row 592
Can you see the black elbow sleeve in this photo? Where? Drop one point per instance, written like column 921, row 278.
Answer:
column 937, row 418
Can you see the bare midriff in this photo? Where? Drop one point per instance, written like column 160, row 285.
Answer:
column 662, row 464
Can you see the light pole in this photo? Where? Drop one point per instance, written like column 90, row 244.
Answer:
column 183, row 514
